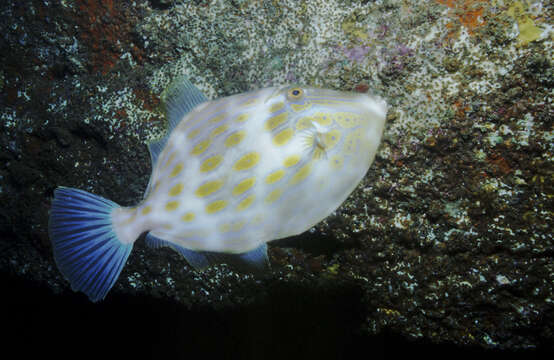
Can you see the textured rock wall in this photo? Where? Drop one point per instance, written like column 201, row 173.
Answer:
column 449, row 236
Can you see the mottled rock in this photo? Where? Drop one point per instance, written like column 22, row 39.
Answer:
column 448, row 238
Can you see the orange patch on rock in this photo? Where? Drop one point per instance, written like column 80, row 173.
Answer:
column 500, row 163
column 149, row 101
column 105, row 28
column 468, row 12
column 461, row 108
column 361, row 88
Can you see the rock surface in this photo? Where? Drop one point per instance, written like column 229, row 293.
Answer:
column 447, row 239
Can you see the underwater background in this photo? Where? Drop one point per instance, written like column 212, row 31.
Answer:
column 445, row 246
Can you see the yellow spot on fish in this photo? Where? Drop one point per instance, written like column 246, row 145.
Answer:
column 283, row 137
column 193, row 133
column 322, row 119
column 171, row 205
column 188, row 217
column 245, row 203
column 347, row 120
column 234, row 138
column 291, row 160
column 275, row 121
column 336, row 162
column 169, row 160
column 298, row 107
column 276, row 107
column 211, row 163
column 275, row 176
column 242, row 118
column 273, row 196
column 304, row 123
column 247, row 161
column 251, row 101
column 351, row 142
column 302, row 174
column 243, row 186
column 176, row 170
column 233, row 226
column 219, row 130
column 208, row 188
column 200, row 147
column 146, row 210
column 176, row 190
column 238, row 225
column 331, row 138
column 218, row 118
column 216, row 206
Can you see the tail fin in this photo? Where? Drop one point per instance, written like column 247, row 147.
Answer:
column 86, row 248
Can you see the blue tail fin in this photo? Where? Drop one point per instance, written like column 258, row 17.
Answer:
column 86, row 249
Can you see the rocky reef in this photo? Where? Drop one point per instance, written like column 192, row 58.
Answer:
column 447, row 240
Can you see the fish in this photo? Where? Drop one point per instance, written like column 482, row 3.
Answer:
column 229, row 176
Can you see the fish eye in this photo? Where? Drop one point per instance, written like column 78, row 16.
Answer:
column 295, row 93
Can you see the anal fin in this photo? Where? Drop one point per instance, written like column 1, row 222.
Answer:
column 254, row 261
column 196, row 259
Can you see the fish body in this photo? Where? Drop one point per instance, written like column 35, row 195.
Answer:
column 231, row 175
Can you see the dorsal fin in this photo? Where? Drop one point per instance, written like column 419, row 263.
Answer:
column 179, row 99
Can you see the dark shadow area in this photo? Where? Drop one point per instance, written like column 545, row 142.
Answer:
column 161, row 4
column 291, row 324
column 315, row 244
